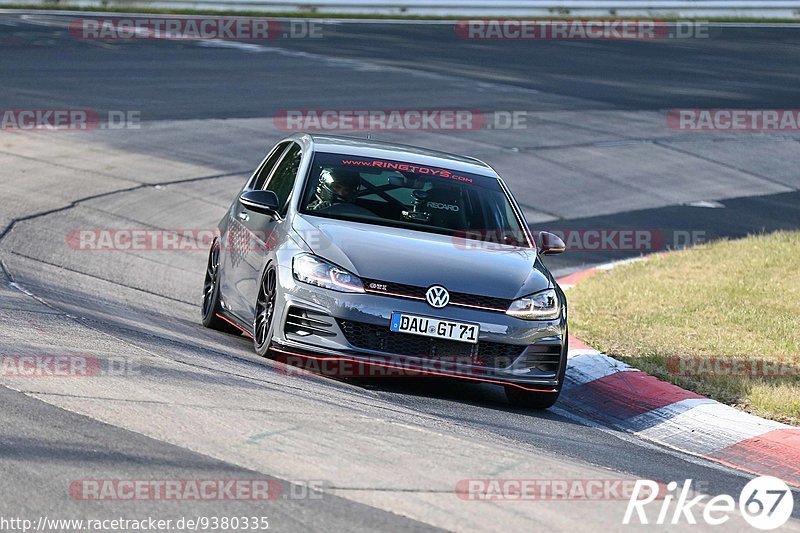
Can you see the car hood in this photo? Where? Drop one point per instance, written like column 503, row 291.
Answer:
column 424, row 259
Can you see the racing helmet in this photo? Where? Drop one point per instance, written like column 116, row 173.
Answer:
column 332, row 180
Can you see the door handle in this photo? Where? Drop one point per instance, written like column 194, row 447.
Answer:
column 244, row 216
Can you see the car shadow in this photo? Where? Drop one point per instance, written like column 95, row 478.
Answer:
column 453, row 390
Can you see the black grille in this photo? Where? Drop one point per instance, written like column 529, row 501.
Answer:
column 542, row 359
column 460, row 298
column 456, row 298
column 380, row 339
column 304, row 322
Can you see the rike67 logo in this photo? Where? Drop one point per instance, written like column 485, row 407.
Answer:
column 766, row 503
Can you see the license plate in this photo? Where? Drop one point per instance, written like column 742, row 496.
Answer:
column 435, row 327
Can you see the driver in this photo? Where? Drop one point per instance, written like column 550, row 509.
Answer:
column 336, row 186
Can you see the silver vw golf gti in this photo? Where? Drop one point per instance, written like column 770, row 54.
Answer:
column 359, row 258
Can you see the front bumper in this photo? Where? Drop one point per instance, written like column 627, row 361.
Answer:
column 347, row 335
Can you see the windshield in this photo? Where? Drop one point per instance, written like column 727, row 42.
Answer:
column 413, row 196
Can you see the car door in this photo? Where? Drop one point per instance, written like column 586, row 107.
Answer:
column 235, row 236
column 260, row 233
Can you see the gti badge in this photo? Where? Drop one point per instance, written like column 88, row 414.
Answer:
column 437, row 296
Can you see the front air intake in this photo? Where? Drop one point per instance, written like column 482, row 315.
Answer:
column 303, row 322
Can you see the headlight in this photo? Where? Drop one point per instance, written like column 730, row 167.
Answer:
column 543, row 305
column 316, row 271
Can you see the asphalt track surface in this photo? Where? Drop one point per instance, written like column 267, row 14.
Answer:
column 597, row 154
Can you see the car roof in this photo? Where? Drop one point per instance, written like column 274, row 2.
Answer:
column 394, row 151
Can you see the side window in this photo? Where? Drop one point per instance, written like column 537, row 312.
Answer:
column 265, row 170
column 282, row 179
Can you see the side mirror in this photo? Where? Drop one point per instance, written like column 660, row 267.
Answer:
column 550, row 243
column 264, row 202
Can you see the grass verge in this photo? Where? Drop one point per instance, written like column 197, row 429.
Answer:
column 721, row 319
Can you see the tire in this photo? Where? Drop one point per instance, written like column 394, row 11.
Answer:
column 263, row 323
column 211, row 293
column 529, row 399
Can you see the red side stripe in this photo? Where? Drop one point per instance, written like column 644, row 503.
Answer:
column 237, row 326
